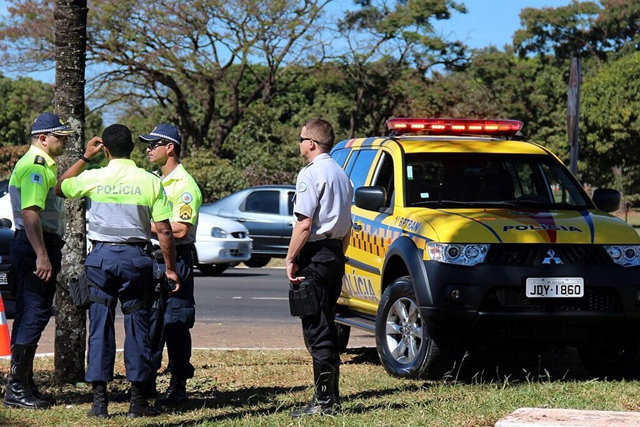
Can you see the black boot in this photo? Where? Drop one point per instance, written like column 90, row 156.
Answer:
column 176, row 393
column 31, row 353
column 99, row 405
column 325, row 400
column 139, row 406
column 149, row 388
column 18, row 394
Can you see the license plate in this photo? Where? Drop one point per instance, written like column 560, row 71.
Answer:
column 3, row 278
column 555, row 287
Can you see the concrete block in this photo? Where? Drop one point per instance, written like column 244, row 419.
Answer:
column 539, row 417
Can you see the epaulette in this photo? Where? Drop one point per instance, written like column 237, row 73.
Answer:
column 39, row 160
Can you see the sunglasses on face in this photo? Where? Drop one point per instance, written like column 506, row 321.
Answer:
column 301, row 139
column 152, row 145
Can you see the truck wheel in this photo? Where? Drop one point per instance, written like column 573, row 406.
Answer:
column 613, row 357
column 343, row 336
column 406, row 346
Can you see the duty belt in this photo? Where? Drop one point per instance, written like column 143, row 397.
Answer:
column 139, row 244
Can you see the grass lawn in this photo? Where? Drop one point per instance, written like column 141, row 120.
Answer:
column 239, row 388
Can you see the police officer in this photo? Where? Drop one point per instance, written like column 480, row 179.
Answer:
column 320, row 237
column 35, row 253
column 164, row 144
column 124, row 201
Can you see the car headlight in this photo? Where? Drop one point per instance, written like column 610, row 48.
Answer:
column 459, row 254
column 219, row 233
column 624, row 255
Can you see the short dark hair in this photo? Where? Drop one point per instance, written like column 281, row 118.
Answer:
column 177, row 148
column 322, row 132
column 117, row 138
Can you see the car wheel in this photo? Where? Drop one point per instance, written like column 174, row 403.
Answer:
column 613, row 357
column 343, row 336
column 257, row 262
column 406, row 346
column 212, row 269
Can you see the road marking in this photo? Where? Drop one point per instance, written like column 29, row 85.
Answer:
column 236, row 297
column 272, row 298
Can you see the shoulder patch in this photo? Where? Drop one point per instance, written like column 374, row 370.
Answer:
column 36, row 178
column 186, row 212
column 186, row 197
column 39, row 160
column 302, row 187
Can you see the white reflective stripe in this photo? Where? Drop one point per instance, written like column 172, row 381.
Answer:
column 3, row 318
column 164, row 137
column 117, row 222
column 51, row 217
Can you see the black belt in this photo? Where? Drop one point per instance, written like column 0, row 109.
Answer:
column 50, row 239
column 138, row 244
column 325, row 243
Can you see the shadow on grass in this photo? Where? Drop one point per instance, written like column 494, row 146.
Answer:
column 485, row 366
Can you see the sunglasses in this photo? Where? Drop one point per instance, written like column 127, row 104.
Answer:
column 152, row 145
column 301, row 139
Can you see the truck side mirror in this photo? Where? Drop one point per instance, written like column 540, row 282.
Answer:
column 371, row 198
column 606, row 199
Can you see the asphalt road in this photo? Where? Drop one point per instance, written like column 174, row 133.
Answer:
column 244, row 308
column 247, row 295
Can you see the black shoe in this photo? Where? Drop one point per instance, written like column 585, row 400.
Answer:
column 139, row 406
column 99, row 405
column 314, row 407
column 143, row 410
column 325, row 401
column 18, row 394
column 176, row 393
column 31, row 353
column 98, row 411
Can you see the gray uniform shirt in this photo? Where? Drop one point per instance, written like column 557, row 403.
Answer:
column 324, row 193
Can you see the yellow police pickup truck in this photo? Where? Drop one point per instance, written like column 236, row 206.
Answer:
column 466, row 236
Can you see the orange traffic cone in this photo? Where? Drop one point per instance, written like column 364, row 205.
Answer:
column 5, row 341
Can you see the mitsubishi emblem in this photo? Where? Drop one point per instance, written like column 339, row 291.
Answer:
column 552, row 258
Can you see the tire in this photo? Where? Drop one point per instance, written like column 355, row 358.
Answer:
column 344, row 332
column 212, row 269
column 257, row 262
column 406, row 347
column 612, row 356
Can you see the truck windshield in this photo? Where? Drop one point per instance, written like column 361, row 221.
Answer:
column 489, row 179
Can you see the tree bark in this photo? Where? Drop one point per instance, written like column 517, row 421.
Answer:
column 70, row 49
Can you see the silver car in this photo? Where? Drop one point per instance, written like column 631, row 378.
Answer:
column 267, row 212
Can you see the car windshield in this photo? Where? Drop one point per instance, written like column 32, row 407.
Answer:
column 488, row 179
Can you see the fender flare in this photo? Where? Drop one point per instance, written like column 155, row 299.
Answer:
column 407, row 250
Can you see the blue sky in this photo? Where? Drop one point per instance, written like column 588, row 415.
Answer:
column 487, row 22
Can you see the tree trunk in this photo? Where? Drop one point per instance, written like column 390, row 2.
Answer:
column 70, row 48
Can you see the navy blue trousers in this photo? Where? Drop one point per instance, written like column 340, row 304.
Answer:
column 121, row 272
column 34, row 298
column 172, row 325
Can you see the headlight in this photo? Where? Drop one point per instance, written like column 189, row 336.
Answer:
column 218, row 233
column 465, row 254
column 624, row 255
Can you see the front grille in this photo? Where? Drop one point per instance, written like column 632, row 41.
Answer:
column 524, row 255
column 239, row 234
column 595, row 299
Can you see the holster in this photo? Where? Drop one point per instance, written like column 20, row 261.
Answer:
column 79, row 291
column 303, row 300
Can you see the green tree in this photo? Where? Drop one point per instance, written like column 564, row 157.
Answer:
column 388, row 42
column 22, row 100
column 611, row 126
column 204, row 61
